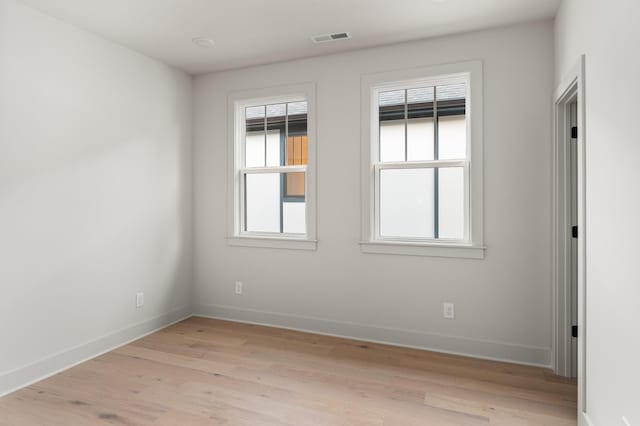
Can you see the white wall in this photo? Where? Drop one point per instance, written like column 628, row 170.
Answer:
column 95, row 194
column 609, row 35
column 502, row 302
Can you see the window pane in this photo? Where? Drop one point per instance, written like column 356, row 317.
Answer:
column 297, row 137
column 452, row 134
column 420, row 139
column 276, row 111
column 255, row 112
column 273, row 148
column 452, row 129
column 391, row 106
column 294, row 184
column 297, row 150
column 451, row 94
column 395, row 99
column 407, row 203
column 276, row 117
column 294, row 219
column 451, row 203
column 255, row 137
column 420, row 102
column 420, row 132
column 297, row 108
column 392, row 141
column 262, row 205
column 275, row 202
column 254, row 149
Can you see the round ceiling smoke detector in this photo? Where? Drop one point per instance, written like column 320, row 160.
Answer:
column 203, row 42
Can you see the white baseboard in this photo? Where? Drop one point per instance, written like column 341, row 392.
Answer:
column 497, row 351
column 26, row 375
column 585, row 420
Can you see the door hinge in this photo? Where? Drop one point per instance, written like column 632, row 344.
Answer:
column 574, row 331
column 574, row 231
column 574, row 132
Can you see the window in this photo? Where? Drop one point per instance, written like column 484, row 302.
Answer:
column 422, row 165
column 273, row 182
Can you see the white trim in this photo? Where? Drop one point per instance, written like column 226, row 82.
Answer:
column 274, row 169
column 430, row 164
column 26, row 375
column 279, row 242
column 585, row 420
column 476, row 348
column 473, row 243
column 423, row 249
column 573, row 85
column 561, row 223
column 235, row 167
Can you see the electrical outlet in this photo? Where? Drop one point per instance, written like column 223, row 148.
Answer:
column 139, row 300
column 238, row 287
column 448, row 310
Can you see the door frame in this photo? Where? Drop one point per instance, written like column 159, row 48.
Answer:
column 571, row 89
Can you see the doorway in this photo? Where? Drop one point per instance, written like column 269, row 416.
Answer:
column 575, row 235
column 569, row 232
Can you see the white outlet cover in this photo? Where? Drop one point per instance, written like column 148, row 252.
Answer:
column 139, row 300
column 448, row 310
column 238, row 287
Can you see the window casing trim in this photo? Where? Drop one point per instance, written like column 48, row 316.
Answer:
column 472, row 246
column 237, row 171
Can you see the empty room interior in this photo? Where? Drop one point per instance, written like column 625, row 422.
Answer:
column 304, row 213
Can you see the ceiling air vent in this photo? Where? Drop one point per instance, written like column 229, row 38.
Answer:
column 323, row 38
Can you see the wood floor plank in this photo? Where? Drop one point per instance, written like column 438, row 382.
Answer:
column 211, row 372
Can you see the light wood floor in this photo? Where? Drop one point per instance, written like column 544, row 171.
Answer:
column 210, row 372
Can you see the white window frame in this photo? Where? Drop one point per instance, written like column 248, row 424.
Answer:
column 472, row 246
column 237, row 102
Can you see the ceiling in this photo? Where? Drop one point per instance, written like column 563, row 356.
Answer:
column 251, row 32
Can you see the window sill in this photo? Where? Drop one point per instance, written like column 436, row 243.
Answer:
column 272, row 242
column 465, row 251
